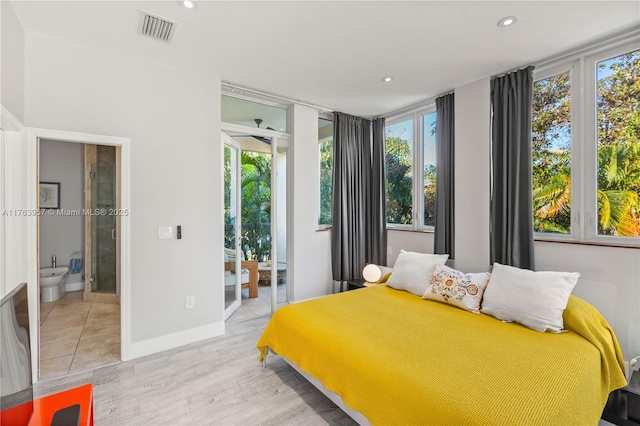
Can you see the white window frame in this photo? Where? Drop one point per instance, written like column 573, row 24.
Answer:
column 584, row 150
column 591, row 153
column 576, row 190
column 328, row 117
column 391, row 122
column 417, row 167
column 420, row 174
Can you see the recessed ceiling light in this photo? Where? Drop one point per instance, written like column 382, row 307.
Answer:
column 509, row 20
column 387, row 79
column 188, row 4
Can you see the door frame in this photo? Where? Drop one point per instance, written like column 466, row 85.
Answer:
column 32, row 142
column 233, row 144
column 276, row 137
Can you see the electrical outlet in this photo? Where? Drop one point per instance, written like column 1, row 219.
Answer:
column 190, row 302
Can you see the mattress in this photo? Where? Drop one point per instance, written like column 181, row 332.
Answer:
column 399, row 359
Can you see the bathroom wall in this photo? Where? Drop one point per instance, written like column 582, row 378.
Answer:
column 61, row 235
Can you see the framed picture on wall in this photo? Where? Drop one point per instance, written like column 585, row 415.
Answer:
column 49, row 195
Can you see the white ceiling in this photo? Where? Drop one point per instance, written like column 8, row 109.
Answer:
column 334, row 54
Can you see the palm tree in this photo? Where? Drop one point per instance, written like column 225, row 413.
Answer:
column 256, row 205
column 619, row 189
column 552, row 201
column 618, row 193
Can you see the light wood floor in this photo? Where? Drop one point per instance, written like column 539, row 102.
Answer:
column 216, row 382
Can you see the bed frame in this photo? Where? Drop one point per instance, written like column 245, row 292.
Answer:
column 334, row 397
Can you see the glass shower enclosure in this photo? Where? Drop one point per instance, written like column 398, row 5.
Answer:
column 101, row 239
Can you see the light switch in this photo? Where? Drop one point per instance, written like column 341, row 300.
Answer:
column 165, row 232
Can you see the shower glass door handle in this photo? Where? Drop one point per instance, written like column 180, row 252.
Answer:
column 113, row 234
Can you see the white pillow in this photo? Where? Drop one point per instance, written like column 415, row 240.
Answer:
column 534, row 299
column 413, row 271
column 457, row 288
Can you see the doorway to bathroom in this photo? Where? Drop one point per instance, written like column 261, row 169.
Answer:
column 78, row 242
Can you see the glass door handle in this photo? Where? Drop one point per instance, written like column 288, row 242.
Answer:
column 113, row 234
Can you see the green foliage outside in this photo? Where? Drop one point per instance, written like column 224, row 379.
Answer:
column 326, row 179
column 618, row 128
column 399, row 180
column 256, row 205
column 398, row 160
column 430, row 195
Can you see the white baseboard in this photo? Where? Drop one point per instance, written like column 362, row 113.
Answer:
column 170, row 341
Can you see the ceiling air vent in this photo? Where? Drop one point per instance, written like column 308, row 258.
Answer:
column 156, row 27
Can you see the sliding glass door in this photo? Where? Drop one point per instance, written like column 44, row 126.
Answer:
column 262, row 237
column 232, row 225
column 279, row 209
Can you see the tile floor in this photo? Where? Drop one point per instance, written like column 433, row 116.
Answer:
column 77, row 335
column 258, row 306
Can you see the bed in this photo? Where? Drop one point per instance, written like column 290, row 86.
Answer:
column 394, row 358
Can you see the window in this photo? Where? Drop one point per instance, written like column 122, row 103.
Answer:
column 586, row 149
column 325, row 140
column 429, row 167
column 618, row 144
column 551, row 153
column 399, row 159
column 411, row 170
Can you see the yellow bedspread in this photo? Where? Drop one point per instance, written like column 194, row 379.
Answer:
column 401, row 360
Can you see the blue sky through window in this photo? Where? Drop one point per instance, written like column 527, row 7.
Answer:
column 429, row 138
column 402, row 130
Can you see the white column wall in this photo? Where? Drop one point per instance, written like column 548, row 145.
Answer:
column 472, row 173
column 311, row 271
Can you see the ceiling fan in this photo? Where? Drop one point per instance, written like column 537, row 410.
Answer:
column 258, row 121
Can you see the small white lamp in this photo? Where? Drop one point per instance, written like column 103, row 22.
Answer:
column 371, row 273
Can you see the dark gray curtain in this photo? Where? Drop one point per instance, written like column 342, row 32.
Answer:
column 445, row 158
column 511, row 203
column 377, row 207
column 358, row 232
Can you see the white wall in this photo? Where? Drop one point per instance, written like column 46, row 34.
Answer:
column 312, row 249
column 11, row 61
column 472, row 167
column 60, row 236
column 420, row 242
column 614, row 265
column 14, row 223
column 172, row 118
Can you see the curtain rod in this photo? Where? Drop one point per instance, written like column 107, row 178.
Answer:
column 585, row 49
column 425, row 103
column 272, row 96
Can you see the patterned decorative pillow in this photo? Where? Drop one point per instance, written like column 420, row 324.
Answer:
column 457, row 288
